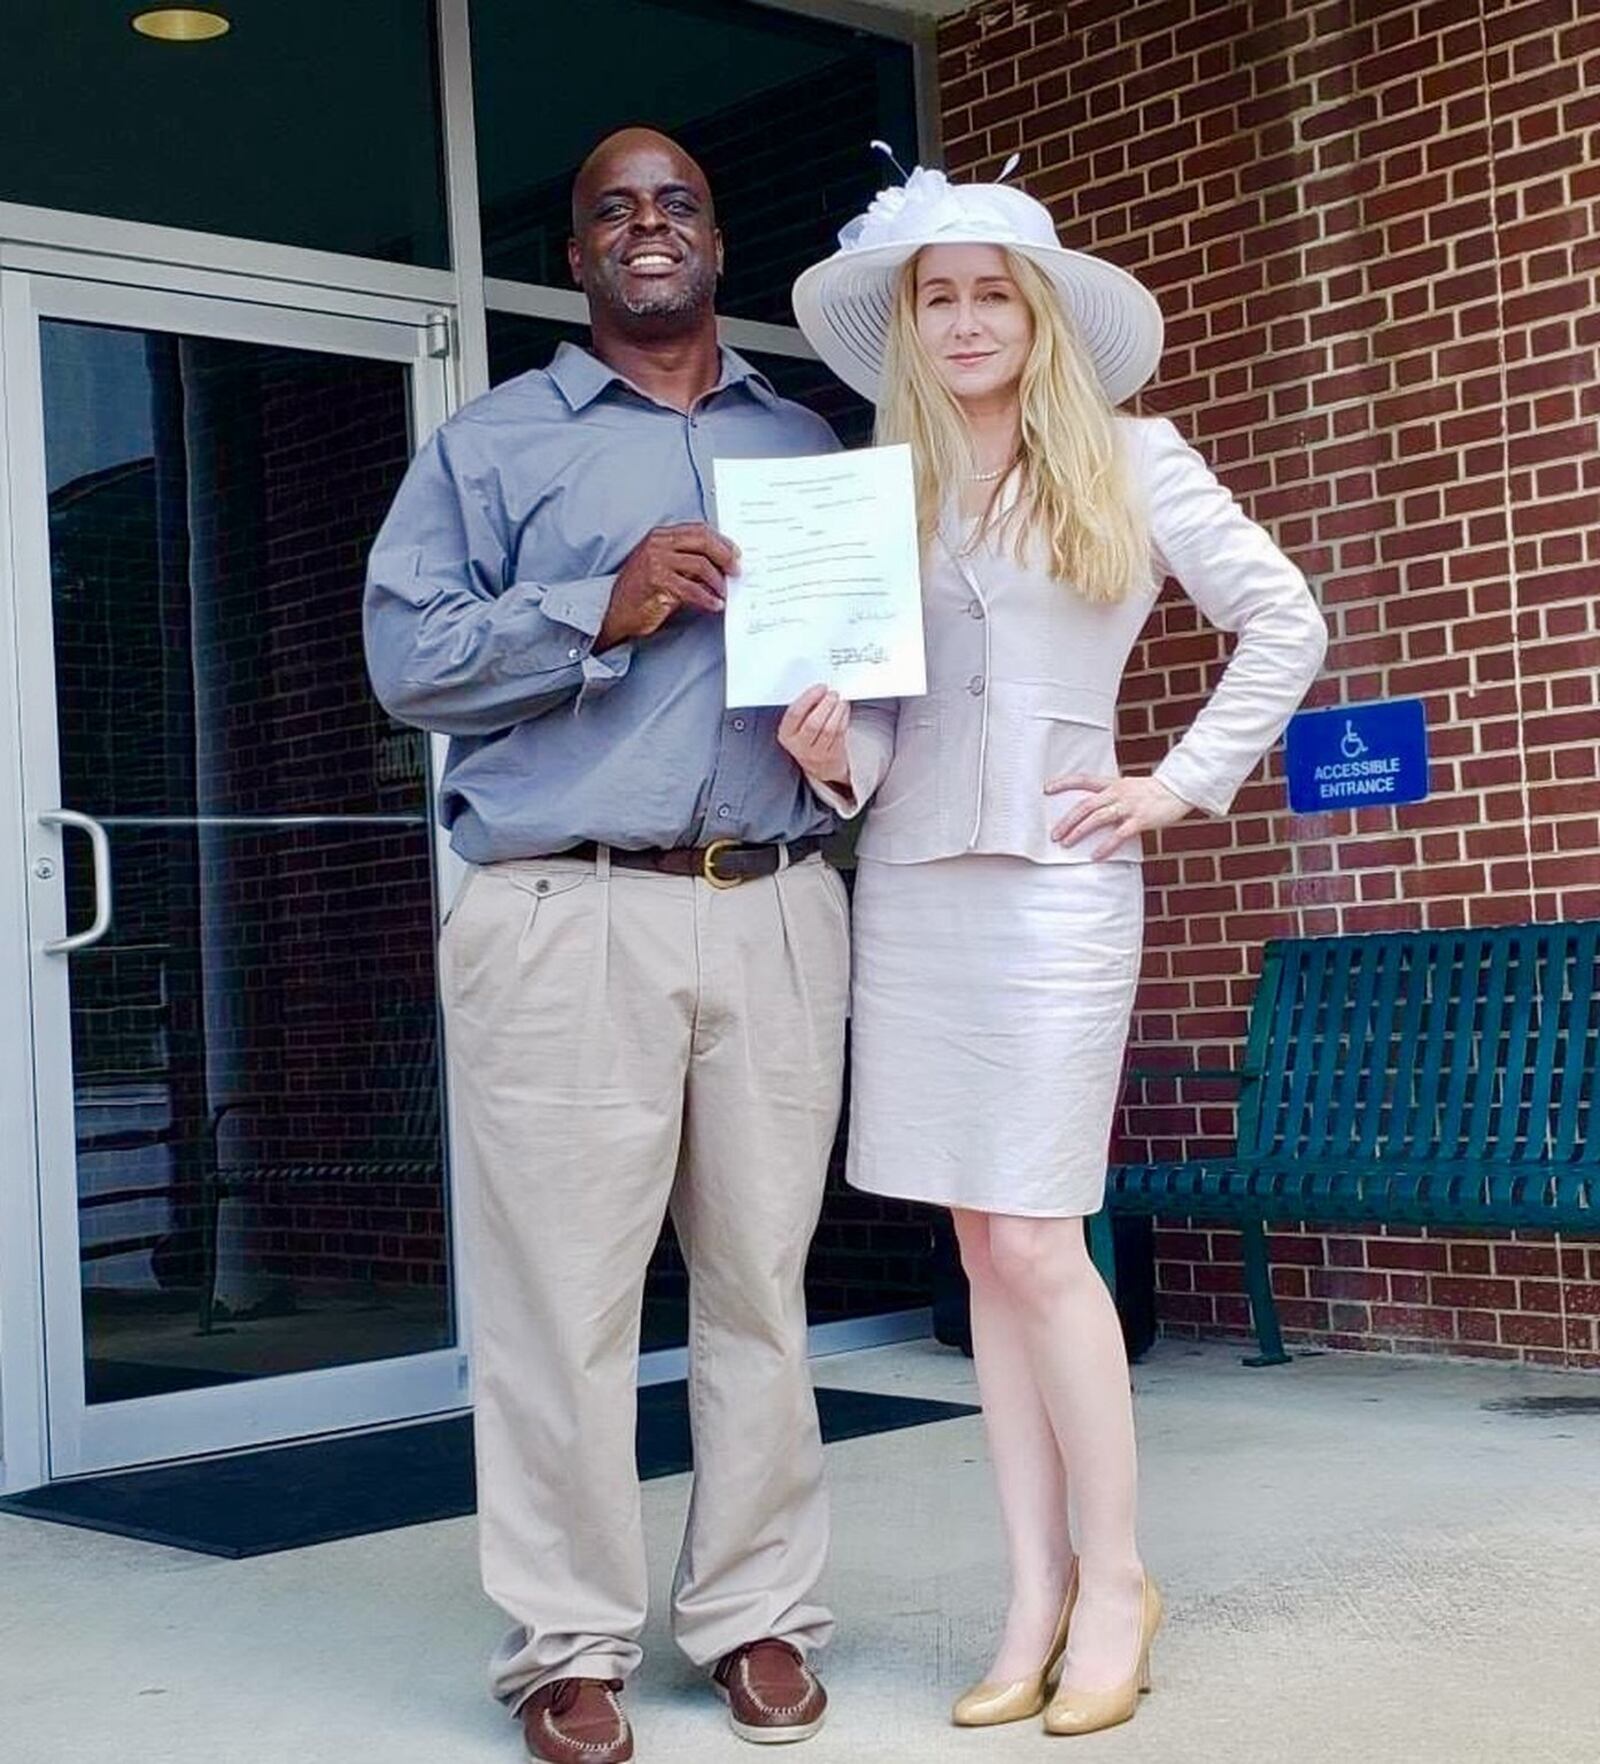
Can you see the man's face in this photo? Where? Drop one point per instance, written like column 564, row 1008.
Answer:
column 646, row 247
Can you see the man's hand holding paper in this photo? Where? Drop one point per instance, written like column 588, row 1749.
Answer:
column 670, row 568
column 829, row 588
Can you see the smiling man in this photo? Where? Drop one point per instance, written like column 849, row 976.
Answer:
column 643, row 974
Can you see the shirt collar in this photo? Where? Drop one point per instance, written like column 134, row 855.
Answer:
column 580, row 377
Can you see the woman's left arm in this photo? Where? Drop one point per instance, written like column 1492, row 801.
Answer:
column 1230, row 568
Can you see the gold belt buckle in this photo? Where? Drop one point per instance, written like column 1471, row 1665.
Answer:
column 708, row 864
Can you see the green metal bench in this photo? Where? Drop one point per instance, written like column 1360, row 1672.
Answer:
column 1445, row 1078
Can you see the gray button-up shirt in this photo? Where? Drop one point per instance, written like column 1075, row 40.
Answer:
column 490, row 579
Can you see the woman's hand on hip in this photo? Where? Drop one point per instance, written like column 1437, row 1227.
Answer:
column 813, row 732
column 1122, row 807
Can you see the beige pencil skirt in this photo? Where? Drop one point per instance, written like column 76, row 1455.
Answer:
column 990, row 1009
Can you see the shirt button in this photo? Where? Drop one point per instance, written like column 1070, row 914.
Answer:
column 572, row 655
column 738, row 723
column 975, row 685
column 975, row 609
column 724, row 812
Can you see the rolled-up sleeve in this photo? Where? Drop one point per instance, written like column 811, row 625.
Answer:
column 454, row 647
column 1230, row 568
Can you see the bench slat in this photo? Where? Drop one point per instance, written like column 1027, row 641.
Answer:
column 1369, row 963
column 1485, row 1066
column 1514, row 1126
column 1449, row 1008
column 1554, row 958
column 1309, row 989
column 1373, row 1076
column 1459, row 1092
column 1420, row 972
column 1574, row 1117
column 1561, row 1200
column 1337, row 1029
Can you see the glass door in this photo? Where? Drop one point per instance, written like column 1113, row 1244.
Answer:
column 232, row 899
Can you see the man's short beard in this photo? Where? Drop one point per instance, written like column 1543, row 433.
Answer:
column 688, row 297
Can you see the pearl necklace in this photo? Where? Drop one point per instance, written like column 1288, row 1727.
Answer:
column 989, row 477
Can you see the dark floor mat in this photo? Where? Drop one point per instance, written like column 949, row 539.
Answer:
column 285, row 1497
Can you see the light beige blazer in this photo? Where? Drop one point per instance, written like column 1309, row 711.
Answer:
column 1023, row 676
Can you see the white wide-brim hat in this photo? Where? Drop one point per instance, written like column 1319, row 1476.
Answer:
column 843, row 304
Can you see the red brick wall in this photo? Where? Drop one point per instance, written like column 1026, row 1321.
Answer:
column 1374, row 228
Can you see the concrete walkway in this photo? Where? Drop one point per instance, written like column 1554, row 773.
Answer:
column 1367, row 1561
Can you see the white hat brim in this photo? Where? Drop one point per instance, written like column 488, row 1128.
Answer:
column 842, row 306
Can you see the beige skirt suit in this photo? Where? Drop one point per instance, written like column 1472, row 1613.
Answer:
column 994, row 971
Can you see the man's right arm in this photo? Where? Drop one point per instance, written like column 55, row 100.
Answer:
column 452, row 647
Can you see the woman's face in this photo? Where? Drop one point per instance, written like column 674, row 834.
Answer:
column 972, row 320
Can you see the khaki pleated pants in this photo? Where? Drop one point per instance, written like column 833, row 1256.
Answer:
column 621, row 1040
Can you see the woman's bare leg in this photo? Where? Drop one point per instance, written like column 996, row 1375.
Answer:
column 1029, row 1472
column 1062, row 1322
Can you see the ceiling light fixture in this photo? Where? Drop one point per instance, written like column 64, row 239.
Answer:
column 181, row 24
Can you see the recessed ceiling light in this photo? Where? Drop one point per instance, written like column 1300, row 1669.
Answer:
column 181, row 24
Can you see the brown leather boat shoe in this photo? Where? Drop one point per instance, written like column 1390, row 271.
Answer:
column 772, row 1695
column 576, row 1721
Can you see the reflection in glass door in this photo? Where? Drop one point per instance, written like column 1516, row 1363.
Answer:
column 258, row 1242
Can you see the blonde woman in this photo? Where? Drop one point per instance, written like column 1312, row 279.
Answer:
column 998, row 899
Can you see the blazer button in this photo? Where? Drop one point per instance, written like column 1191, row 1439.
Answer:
column 975, row 685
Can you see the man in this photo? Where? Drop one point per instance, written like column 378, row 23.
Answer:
column 644, row 975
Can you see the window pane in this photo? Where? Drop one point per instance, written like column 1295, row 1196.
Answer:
column 307, row 124
column 809, row 383
column 779, row 110
column 261, row 1176
column 517, row 344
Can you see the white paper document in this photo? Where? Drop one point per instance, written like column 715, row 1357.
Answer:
column 829, row 589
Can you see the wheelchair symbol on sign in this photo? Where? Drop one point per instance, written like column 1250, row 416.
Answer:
column 1350, row 743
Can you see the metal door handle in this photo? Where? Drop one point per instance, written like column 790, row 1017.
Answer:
column 101, row 847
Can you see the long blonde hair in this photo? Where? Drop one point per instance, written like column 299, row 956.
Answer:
column 1073, row 483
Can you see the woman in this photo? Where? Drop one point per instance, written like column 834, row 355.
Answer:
column 998, row 899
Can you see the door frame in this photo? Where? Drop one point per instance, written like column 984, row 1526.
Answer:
column 46, row 1429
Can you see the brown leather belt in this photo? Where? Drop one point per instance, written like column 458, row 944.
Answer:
column 724, row 863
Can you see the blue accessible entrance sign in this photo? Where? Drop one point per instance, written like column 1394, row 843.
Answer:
column 1357, row 756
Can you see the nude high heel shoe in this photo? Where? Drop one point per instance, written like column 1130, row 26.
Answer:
column 989, row 1704
column 1079, row 1711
